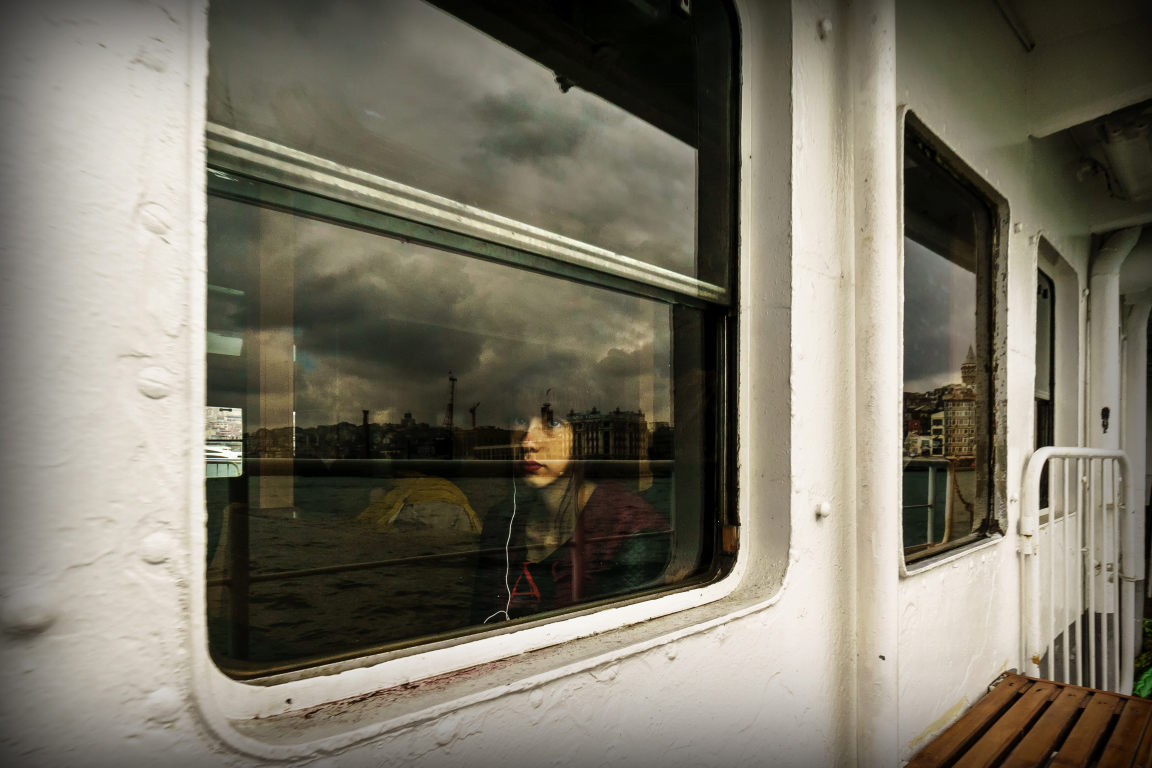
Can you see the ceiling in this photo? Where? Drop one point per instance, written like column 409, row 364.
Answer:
column 1097, row 55
column 1051, row 21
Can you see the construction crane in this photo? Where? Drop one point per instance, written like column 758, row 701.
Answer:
column 472, row 411
column 451, row 400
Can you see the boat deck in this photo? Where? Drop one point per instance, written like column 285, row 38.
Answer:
column 1024, row 722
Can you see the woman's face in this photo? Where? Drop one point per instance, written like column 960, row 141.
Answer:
column 547, row 452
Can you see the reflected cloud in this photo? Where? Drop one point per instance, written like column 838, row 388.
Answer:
column 402, row 90
column 377, row 324
column 939, row 318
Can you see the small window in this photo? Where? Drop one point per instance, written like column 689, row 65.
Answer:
column 1045, row 385
column 470, row 318
column 947, row 417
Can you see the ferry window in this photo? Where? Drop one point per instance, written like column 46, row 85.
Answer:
column 1045, row 384
column 947, row 413
column 470, row 317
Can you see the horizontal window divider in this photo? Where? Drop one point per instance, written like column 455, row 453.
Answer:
column 384, row 468
column 370, row 564
column 415, row 211
column 275, row 196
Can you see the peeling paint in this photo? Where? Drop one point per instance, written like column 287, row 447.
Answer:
column 383, row 696
column 103, row 653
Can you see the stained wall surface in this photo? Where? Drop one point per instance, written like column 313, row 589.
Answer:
column 968, row 78
column 102, row 656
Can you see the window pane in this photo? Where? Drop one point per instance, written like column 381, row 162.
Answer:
column 947, row 343
column 404, row 91
column 430, row 441
column 1045, row 338
column 1045, row 415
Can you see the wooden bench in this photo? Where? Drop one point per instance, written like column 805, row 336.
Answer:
column 1024, row 722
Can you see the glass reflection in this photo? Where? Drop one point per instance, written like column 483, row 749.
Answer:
column 947, row 411
column 428, row 440
column 941, row 399
column 407, row 92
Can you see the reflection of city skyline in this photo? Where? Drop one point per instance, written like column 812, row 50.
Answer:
column 616, row 434
column 378, row 323
column 941, row 423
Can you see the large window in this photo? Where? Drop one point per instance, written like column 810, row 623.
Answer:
column 470, row 317
column 949, row 231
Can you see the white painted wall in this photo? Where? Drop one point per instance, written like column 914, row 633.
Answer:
column 964, row 73
column 959, row 69
column 102, row 656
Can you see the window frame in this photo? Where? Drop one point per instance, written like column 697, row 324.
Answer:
column 268, row 172
column 992, row 301
column 1045, row 403
column 1068, row 306
column 292, row 720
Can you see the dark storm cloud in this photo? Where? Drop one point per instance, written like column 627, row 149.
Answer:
column 376, row 324
column 401, row 90
column 521, row 132
column 404, row 91
column 378, row 308
column 620, row 363
column 939, row 318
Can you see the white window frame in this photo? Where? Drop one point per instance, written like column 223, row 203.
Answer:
column 997, row 491
column 242, row 714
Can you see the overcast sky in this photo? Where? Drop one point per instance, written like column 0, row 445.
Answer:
column 402, row 90
column 378, row 324
column 939, row 318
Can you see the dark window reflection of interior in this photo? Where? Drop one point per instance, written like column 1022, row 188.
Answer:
column 1045, row 372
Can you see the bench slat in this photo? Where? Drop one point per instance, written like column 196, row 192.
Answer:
column 952, row 743
column 1049, row 732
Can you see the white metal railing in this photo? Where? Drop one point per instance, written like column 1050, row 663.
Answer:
column 937, row 472
column 1079, row 565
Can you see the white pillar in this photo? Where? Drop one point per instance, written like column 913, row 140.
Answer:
column 1105, row 410
column 1136, row 413
column 878, row 377
column 1103, row 379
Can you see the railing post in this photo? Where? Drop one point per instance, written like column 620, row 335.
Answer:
column 1116, row 553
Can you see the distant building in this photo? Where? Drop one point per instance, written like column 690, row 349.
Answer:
column 611, row 435
column 937, row 425
column 916, row 445
column 960, row 423
column 946, row 416
column 661, row 445
column 968, row 369
column 487, row 442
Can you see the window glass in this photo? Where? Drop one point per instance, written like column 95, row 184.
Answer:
column 412, row 433
column 1045, row 413
column 405, row 91
column 1045, row 339
column 947, row 340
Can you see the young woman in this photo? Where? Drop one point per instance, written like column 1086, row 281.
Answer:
column 561, row 539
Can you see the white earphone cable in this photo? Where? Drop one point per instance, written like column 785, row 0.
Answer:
column 507, row 561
